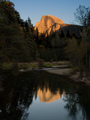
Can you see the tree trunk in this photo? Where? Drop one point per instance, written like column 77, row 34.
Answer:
column 80, row 69
column 89, row 61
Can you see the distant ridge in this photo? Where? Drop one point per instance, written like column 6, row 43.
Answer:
column 49, row 24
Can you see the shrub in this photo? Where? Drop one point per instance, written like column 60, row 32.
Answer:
column 40, row 63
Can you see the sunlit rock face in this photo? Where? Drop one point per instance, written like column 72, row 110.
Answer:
column 48, row 24
column 47, row 96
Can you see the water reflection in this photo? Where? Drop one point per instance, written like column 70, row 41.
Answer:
column 47, row 96
column 25, row 97
column 73, row 106
column 16, row 96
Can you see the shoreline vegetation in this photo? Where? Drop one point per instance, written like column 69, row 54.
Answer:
column 75, row 77
column 60, row 68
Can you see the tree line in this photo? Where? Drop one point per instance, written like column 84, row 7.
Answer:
column 16, row 36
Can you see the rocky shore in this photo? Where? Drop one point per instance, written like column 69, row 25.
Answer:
column 73, row 77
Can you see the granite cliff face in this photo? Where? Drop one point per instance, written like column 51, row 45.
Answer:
column 49, row 24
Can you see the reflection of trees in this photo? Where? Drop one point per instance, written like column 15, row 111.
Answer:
column 20, row 88
column 77, row 97
column 53, row 82
column 73, row 106
column 16, row 97
column 84, row 100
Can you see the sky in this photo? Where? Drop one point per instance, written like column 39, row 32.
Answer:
column 63, row 9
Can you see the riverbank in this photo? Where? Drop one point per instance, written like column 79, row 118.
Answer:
column 34, row 65
column 73, row 77
column 60, row 68
column 62, row 71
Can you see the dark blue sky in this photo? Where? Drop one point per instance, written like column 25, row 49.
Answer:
column 63, row 9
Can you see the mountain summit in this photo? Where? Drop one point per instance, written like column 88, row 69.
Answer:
column 48, row 24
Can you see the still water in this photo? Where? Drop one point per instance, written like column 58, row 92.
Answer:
column 39, row 95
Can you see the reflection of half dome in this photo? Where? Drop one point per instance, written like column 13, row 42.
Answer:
column 47, row 96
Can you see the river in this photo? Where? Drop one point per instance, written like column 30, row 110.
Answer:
column 39, row 95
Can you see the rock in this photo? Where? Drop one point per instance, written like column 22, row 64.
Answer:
column 49, row 24
column 88, row 82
